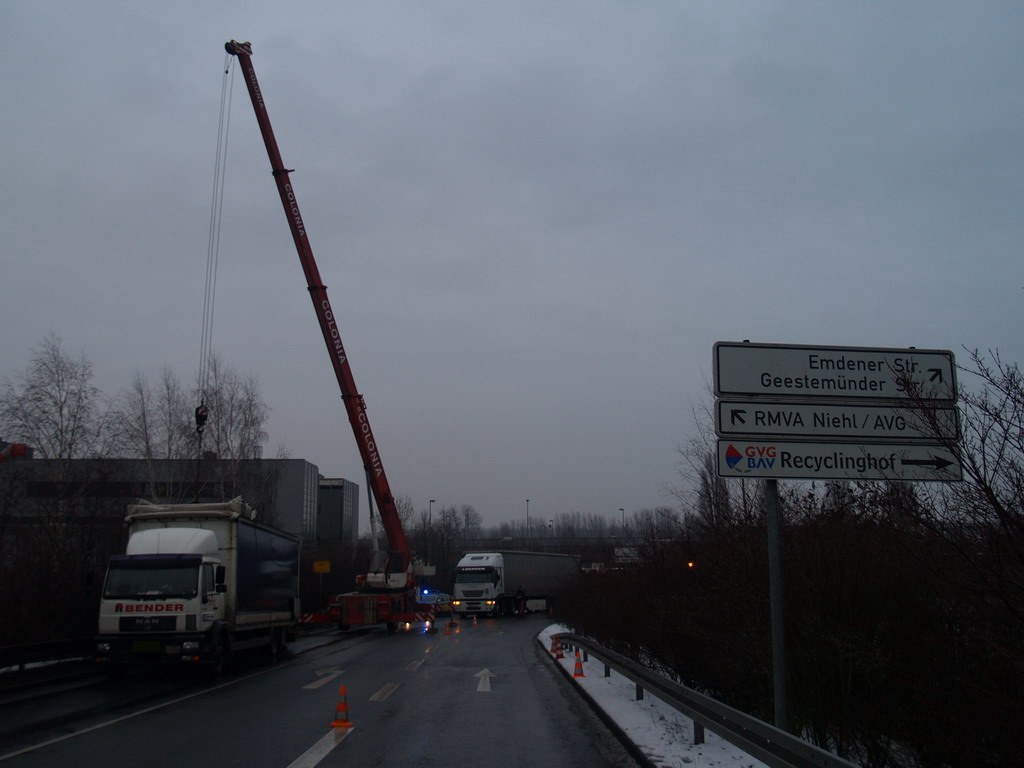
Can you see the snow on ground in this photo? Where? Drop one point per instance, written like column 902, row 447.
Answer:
column 662, row 733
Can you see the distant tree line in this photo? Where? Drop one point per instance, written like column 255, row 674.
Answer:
column 904, row 602
column 440, row 535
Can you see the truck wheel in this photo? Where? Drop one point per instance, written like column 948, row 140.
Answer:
column 221, row 655
column 276, row 646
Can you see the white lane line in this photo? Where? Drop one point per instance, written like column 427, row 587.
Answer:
column 328, row 675
column 413, row 666
column 130, row 715
column 321, row 749
column 384, row 692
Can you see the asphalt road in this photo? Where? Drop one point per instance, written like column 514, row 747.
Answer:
column 482, row 693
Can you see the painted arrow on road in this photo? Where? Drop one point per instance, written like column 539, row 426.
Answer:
column 484, row 686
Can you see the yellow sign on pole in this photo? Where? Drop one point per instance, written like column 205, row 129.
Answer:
column 321, row 566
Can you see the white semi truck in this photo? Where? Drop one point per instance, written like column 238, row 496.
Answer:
column 487, row 582
column 196, row 583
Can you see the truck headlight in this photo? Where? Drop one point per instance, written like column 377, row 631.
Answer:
column 456, row 602
column 103, row 647
column 190, row 645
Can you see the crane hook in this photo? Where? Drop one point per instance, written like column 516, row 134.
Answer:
column 202, row 413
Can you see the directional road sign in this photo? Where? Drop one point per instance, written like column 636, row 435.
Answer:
column 874, row 373
column 839, row 461
column 761, row 418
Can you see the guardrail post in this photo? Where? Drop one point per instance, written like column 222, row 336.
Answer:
column 698, row 733
column 607, row 671
column 586, row 656
column 639, row 692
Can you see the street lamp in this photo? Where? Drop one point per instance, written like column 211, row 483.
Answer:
column 430, row 526
column 527, row 518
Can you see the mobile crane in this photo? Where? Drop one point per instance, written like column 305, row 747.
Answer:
column 388, row 591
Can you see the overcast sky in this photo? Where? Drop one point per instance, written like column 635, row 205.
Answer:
column 534, row 219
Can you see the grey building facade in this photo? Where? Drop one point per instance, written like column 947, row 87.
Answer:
column 338, row 511
column 284, row 492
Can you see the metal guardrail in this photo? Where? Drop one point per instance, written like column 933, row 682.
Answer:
column 20, row 655
column 775, row 747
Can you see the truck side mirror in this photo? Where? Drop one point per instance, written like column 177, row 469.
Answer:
column 221, row 588
column 219, row 577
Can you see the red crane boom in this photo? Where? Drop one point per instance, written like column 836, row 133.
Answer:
column 354, row 404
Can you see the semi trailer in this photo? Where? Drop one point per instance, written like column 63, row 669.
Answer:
column 488, row 582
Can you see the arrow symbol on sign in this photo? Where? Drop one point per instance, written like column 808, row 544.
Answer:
column 936, row 374
column 485, row 675
column 936, row 462
column 737, row 415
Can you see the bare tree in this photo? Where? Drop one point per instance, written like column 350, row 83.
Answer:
column 471, row 520
column 154, row 423
column 406, row 511
column 713, row 494
column 53, row 405
column 238, row 416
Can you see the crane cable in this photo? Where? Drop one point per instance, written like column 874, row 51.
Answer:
column 213, row 244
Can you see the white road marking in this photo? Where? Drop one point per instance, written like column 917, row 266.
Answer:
column 326, row 676
column 485, row 675
column 413, row 666
column 321, row 749
column 384, row 692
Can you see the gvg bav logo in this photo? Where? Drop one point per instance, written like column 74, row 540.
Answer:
column 750, row 458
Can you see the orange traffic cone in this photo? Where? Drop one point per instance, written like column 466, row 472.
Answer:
column 341, row 713
column 578, row 672
column 558, row 646
column 448, row 627
column 474, row 619
column 554, row 644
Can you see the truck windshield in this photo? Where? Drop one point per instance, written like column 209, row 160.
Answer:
column 474, row 575
column 152, row 577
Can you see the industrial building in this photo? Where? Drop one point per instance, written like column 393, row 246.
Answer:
column 287, row 493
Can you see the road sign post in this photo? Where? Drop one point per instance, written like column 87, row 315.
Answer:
column 804, row 412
